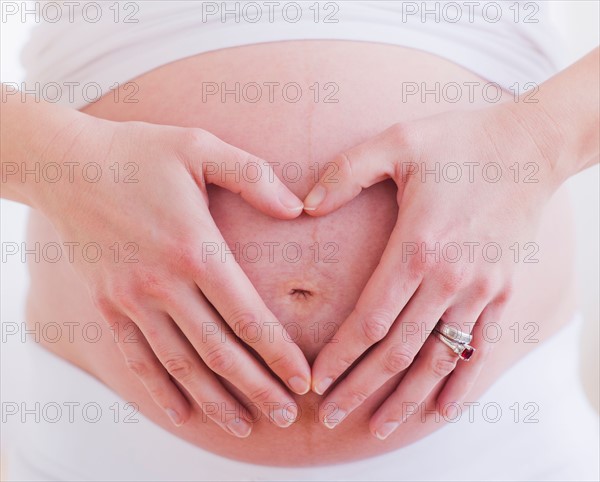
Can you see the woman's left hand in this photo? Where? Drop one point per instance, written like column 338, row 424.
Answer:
column 471, row 188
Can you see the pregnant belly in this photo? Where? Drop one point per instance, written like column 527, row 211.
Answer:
column 317, row 99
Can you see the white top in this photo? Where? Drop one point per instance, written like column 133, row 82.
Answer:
column 100, row 44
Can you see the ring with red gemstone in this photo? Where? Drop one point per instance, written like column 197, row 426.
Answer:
column 463, row 350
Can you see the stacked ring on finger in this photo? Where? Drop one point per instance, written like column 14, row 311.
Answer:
column 458, row 341
column 453, row 333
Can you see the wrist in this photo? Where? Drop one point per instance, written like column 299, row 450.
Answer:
column 535, row 133
column 57, row 157
column 34, row 138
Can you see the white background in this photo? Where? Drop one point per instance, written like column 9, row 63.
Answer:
column 578, row 23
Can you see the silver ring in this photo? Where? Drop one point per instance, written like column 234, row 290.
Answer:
column 463, row 350
column 453, row 333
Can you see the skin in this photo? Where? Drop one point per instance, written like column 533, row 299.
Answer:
column 306, row 132
column 161, row 297
column 560, row 134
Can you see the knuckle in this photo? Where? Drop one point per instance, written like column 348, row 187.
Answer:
column 343, row 162
column 140, row 368
column 443, row 366
column 185, row 257
column 343, row 171
column 399, row 133
column 450, row 281
column 396, row 359
column 220, row 360
column 416, row 268
column 263, row 395
column 195, row 137
column 158, row 393
column 153, row 333
column 356, row 396
column 245, row 159
column 413, row 269
column 483, row 288
column 375, row 326
column 179, row 367
column 125, row 298
column 197, row 269
column 280, row 360
column 153, row 286
column 245, row 322
column 166, row 294
column 343, row 361
column 404, row 135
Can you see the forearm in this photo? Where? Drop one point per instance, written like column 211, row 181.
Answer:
column 565, row 120
column 31, row 134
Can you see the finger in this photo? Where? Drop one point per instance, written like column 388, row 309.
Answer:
column 434, row 363
column 463, row 378
column 225, row 355
column 228, row 289
column 183, row 364
column 383, row 298
column 141, row 360
column 390, row 357
column 242, row 173
column 354, row 170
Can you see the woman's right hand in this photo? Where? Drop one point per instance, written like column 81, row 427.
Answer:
column 186, row 315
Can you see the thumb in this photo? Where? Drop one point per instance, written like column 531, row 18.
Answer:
column 353, row 170
column 249, row 176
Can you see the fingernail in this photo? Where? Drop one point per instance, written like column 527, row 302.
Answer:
column 285, row 417
column 239, row 427
column 323, row 385
column 314, row 198
column 174, row 416
column 332, row 420
column 290, row 201
column 386, row 429
column 299, row 385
